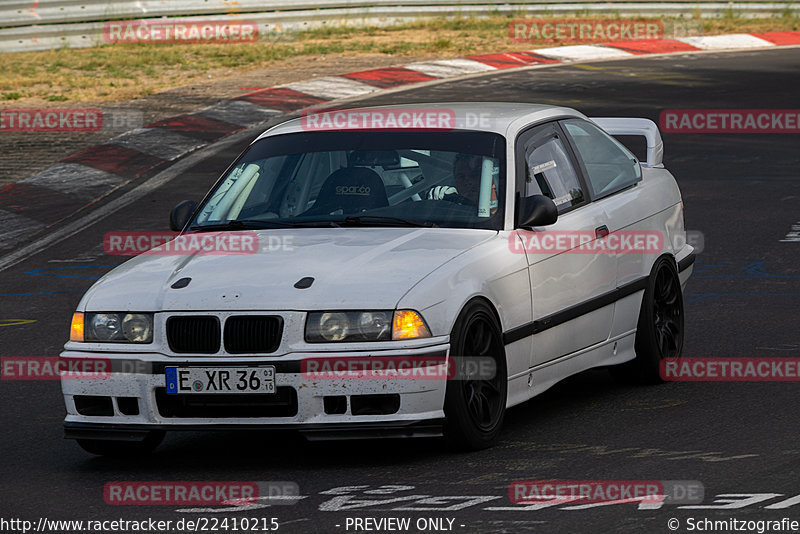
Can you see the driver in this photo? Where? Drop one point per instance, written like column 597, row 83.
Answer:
column 467, row 174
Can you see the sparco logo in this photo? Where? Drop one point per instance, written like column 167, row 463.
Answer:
column 361, row 190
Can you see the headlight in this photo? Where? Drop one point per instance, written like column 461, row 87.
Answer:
column 105, row 326
column 375, row 325
column 137, row 327
column 382, row 325
column 334, row 326
column 119, row 327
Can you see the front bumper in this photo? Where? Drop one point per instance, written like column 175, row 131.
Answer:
column 131, row 400
column 428, row 428
column 685, row 260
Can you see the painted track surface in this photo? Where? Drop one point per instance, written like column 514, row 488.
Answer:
column 742, row 191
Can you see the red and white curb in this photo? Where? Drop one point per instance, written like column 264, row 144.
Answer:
column 81, row 179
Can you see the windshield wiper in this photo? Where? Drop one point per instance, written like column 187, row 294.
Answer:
column 361, row 220
column 246, row 224
column 397, row 221
column 368, row 220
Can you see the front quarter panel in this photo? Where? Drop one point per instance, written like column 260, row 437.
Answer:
column 492, row 271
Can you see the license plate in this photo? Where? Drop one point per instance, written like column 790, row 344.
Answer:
column 187, row 380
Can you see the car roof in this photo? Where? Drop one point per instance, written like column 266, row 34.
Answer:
column 498, row 117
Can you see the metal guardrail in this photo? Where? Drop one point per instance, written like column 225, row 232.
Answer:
column 17, row 13
column 56, row 24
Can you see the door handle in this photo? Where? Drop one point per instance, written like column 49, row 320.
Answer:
column 601, row 231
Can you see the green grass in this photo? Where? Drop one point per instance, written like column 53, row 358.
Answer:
column 126, row 71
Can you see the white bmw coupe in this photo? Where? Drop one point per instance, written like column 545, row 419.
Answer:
column 392, row 245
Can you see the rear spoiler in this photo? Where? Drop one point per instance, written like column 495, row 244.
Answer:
column 645, row 127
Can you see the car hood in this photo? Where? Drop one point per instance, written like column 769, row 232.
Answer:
column 353, row 268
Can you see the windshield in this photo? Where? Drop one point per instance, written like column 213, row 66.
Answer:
column 365, row 178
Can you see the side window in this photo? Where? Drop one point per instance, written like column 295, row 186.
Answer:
column 549, row 171
column 609, row 165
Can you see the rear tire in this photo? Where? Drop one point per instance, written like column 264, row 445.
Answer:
column 475, row 408
column 659, row 332
column 118, row 448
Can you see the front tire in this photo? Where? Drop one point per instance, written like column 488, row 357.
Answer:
column 475, row 408
column 659, row 331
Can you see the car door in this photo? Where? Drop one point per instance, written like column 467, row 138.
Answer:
column 613, row 172
column 569, row 283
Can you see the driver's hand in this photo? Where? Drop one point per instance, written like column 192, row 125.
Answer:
column 439, row 192
column 455, row 198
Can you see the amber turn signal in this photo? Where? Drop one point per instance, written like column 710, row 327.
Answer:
column 76, row 329
column 409, row 325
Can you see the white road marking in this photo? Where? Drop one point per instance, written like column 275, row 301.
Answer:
column 793, row 236
column 239, row 112
column 75, row 178
column 722, row 42
column 332, row 87
column 254, row 505
column 450, row 67
column 581, row 52
column 158, row 142
column 14, row 225
column 348, row 499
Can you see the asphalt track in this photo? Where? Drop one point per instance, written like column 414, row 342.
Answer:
column 742, row 191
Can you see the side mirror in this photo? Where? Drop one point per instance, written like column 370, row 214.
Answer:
column 536, row 210
column 180, row 215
